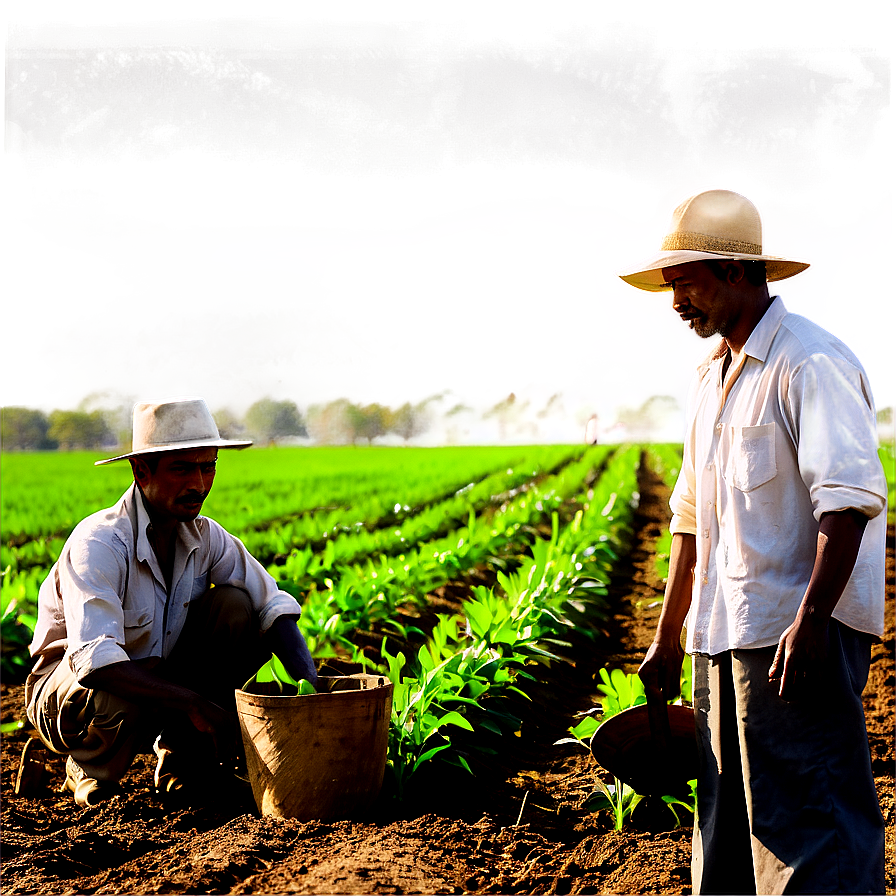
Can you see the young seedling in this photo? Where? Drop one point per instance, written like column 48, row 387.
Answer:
column 618, row 797
column 690, row 805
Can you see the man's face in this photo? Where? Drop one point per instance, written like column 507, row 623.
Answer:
column 180, row 483
column 702, row 300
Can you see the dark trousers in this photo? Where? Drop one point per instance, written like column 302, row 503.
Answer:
column 786, row 801
column 218, row 651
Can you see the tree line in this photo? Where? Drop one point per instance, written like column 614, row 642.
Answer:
column 266, row 422
column 103, row 420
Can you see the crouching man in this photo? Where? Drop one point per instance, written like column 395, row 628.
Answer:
column 151, row 618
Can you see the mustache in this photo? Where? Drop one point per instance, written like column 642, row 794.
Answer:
column 192, row 498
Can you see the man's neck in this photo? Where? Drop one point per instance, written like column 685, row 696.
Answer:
column 162, row 534
column 754, row 311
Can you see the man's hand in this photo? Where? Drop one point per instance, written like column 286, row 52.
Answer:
column 803, row 648
column 136, row 681
column 211, row 719
column 800, row 657
column 661, row 669
column 285, row 640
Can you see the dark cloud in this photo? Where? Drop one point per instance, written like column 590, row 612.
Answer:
column 378, row 108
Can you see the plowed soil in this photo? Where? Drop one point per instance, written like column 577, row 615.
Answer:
column 517, row 827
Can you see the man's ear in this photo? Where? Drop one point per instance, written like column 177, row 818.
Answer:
column 141, row 471
column 734, row 272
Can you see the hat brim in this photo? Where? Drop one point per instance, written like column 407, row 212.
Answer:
column 649, row 274
column 177, row 446
column 625, row 747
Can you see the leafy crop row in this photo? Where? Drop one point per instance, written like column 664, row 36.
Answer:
column 340, row 599
column 44, row 495
column 462, row 676
column 388, row 528
column 665, row 461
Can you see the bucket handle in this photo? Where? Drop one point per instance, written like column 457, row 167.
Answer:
column 658, row 716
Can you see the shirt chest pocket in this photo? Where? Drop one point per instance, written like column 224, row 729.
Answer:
column 751, row 460
column 138, row 623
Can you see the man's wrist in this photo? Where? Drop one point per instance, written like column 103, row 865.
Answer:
column 812, row 614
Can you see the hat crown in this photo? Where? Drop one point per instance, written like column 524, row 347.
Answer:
column 716, row 221
column 164, row 424
column 714, row 224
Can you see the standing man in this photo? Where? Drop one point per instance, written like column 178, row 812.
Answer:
column 151, row 618
column 777, row 570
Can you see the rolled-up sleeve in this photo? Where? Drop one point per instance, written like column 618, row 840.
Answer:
column 91, row 580
column 684, row 508
column 829, row 404
column 232, row 564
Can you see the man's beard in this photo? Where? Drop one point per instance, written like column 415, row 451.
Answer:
column 705, row 327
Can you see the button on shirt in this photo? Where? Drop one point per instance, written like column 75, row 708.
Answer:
column 105, row 600
column 786, row 436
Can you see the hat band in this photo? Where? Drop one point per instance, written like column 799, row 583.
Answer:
column 702, row 242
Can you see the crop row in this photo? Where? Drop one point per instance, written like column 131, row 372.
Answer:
column 378, row 488
column 46, row 494
column 339, row 599
column 385, row 488
column 549, row 581
column 380, row 524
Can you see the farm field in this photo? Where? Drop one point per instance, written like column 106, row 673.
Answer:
column 548, row 557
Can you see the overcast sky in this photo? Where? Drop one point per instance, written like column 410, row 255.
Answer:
column 382, row 201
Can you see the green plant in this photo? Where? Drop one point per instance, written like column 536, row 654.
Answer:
column 690, row 804
column 275, row 672
column 663, row 553
column 687, row 679
column 416, row 732
column 621, row 691
column 618, row 797
column 17, row 620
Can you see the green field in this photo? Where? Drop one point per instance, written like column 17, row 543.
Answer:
column 365, row 537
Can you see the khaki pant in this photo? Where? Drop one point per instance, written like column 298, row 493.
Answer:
column 785, row 798
column 218, row 651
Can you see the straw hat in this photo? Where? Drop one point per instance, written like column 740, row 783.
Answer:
column 174, row 426
column 716, row 224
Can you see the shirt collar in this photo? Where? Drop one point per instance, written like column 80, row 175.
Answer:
column 759, row 341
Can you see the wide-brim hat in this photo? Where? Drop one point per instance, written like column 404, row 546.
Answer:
column 716, row 224
column 627, row 745
column 174, row 426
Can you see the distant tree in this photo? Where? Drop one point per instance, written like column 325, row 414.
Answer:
column 371, row 421
column 229, row 425
column 330, row 424
column 554, row 406
column 459, row 421
column 438, row 404
column 444, row 409
column 24, row 429
column 507, row 411
column 117, row 408
column 269, row 420
column 79, row 429
column 409, row 420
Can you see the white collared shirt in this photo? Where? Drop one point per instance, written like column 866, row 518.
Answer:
column 789, row 436
column 105, row 600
